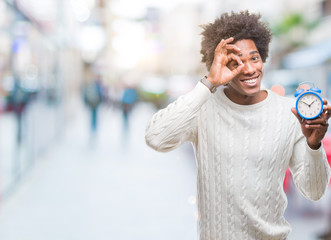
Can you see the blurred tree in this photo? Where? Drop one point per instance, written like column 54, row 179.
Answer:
column 291, row 33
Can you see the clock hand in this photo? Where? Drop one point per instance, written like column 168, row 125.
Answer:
column 305, row 103
column 312, row 102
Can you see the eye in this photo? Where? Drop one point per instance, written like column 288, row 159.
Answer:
column 256, row 58
column 233, row 65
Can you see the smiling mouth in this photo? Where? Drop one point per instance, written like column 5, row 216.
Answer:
column 251, row 80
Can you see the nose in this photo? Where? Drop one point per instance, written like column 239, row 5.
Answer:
column 248, row 68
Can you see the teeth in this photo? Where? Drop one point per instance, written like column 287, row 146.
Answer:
column 251, row 80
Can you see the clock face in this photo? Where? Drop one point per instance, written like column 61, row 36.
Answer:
column 309, row 105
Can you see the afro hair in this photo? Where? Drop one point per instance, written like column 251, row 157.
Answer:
column 242, row 25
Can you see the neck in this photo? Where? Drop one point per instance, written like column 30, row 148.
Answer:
column 246, row 99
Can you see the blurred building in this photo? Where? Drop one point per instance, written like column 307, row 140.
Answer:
column 308, row 52
column 40, row 69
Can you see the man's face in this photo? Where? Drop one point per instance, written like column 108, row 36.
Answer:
column 245, row 87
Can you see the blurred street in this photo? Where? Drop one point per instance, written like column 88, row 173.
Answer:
column 113, row 188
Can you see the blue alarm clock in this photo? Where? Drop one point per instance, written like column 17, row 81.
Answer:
column 309, row 104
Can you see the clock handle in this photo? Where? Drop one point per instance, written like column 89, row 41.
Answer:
column 297, row 93
column 316, row 89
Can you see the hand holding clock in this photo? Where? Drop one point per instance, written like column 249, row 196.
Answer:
column 314, row 129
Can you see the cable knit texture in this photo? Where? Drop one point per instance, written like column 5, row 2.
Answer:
column 242, row 153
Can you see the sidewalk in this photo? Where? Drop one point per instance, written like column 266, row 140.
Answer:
column 115, row 189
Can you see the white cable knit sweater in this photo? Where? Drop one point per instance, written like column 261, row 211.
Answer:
column 242, row 153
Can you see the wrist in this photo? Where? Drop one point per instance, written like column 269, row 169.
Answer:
column 211, row 80
column 314, row 146
column 212, row 88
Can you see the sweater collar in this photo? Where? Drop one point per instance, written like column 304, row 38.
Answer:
column 222, row 98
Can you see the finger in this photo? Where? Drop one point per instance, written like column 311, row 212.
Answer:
column 231, row 47
column 219, row 46
column 317, row 126
column 325, row 102
column 326, row 110
column 234, row 57
column 236, row 68
column 317, row 121
column 324, row 116
column 223, row 42
column 228, row 40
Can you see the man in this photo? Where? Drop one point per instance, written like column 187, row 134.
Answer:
column 244, row 138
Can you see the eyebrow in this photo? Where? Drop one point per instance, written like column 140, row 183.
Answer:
column 250, row 53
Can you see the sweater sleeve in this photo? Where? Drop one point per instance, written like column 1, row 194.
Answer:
column 310, row 169
column 176, row 124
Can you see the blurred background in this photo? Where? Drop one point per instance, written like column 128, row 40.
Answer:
column 80, row 79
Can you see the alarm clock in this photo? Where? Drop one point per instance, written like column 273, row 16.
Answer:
column 309, row 104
